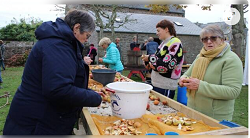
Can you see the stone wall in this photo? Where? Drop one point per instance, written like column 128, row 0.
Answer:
column 125, row 40
column 191, row 44
column 16, row 47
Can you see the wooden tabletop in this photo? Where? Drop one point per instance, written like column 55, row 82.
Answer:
column 186, row 66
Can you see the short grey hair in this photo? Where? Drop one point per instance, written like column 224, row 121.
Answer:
column 212, row 29
column 86, row 22
column 134, row 37
column 104, row 40
column 150, row 39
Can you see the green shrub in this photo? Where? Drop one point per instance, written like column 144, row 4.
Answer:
column 24, row 30
column 18, row 59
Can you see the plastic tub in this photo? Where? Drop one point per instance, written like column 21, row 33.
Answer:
column 181, row 96
column 229, row 124
column 104, row 76
column 129, row 100
column 151, row 134
column 171, row 133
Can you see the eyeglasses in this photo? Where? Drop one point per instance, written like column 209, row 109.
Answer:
column 212, row 39
column 88, row 35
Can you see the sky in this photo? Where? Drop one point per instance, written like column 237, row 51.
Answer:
column 46, row 12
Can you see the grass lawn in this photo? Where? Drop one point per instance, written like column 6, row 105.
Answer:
column 12, row 79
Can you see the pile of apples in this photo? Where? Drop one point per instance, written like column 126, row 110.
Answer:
column 156, row 99
column 183, row 123
column 120, row 78
column 123, row 127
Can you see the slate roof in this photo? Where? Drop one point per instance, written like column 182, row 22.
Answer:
column 172, row 9
column 225, row 27
column 146, row 24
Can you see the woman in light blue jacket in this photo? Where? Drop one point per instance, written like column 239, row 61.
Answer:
column 112, row 56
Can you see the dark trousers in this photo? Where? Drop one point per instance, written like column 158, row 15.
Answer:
column 166, row 92
column 2, row 64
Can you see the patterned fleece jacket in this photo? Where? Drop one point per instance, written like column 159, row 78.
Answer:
column 168, row 59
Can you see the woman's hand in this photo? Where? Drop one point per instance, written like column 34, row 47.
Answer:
column 87, row 60
column 191, row 83
column 101, row 93
column 145, row 58
column 182, row 81
column 146, row 66
column 100, row 60
column 151, row 66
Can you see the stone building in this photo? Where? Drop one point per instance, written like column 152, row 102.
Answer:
column 144, row 27
column 227, row 29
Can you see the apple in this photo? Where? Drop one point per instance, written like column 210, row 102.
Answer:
column 148, row 107
column 116, row 79
column 151, row 98
column 156, row 102
column 157, row 98
column 186, row 81
column 164, row 102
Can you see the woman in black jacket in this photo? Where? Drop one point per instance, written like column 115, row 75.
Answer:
column 55, row 80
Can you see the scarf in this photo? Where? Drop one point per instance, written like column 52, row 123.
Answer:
column 201, row 64
column 91, row 49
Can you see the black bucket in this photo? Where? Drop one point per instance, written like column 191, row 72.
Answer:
column 104, row 76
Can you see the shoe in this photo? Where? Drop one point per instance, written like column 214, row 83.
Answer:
column 1, row 81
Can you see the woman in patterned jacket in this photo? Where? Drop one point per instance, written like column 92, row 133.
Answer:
column 167, row 62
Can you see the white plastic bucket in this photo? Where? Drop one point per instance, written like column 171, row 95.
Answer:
column 130, row 99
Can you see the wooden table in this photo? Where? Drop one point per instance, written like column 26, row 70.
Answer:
column 140, row 69
column 136, row 70
column 185, row 68
column 91, row 128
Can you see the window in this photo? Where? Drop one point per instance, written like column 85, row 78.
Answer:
column 119, row 20
column 178, row 24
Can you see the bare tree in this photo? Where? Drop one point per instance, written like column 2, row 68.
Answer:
column 156, row 8
column 239, row 37
column 106, row 17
